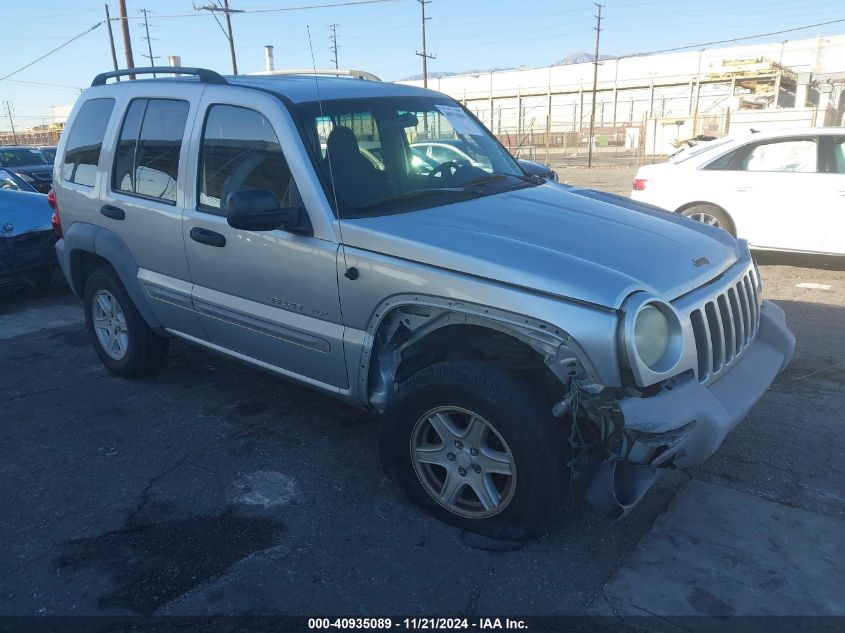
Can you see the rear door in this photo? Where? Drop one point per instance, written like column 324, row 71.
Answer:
column 272, row 295
column 143, row 198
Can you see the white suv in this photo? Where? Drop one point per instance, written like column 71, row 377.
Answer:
column 780, row 190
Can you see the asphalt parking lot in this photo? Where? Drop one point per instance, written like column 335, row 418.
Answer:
column 213, row 488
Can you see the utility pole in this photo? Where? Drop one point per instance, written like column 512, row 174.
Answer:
column 149, row 41
column 8, row 105
column 595, row 81
column 333, row 38
column 231, row 36
column 111, row 40
column 127, row 41
column 425, row 56
column 213, row 9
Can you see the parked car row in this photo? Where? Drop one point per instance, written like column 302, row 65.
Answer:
column 30, row 164
column 780, row 190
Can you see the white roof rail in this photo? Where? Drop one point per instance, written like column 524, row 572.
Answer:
column 340, row 72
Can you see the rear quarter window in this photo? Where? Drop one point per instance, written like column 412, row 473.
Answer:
column 82, row 152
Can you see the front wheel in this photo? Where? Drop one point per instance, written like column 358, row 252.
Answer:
column 475, row 447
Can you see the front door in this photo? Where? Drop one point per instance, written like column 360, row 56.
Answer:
column 271, row 296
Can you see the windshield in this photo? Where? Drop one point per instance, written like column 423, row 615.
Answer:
column 388, row 155
column 22, row 156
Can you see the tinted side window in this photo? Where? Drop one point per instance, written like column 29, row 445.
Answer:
column 147, row 159
column 240, row 150
column 723, row 162
column 82, row 152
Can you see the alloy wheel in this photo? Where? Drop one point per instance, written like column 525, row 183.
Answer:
column 110, row 324
column 463, row 462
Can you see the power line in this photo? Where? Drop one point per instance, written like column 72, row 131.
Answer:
column 332, row 5
column 214, row 8
column 50, row 52
column 738, row 39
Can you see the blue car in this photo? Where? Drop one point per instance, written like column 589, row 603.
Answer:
column 27, row 256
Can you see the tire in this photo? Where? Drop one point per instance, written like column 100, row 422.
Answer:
column 137, row 350
column 711, row 215
column 515, row 425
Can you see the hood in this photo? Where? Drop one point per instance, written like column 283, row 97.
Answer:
column 573, row 243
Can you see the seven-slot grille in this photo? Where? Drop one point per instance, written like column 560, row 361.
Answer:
column 725, row 325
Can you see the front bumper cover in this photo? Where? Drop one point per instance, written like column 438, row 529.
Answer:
column 707, row 414
column 686, row 422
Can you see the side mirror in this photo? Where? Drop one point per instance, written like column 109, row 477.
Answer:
column 260, row 210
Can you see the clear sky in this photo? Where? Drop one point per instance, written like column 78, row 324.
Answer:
column 382, row 38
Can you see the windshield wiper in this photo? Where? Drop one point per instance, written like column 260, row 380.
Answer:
column 535, row 180
column 413, row 194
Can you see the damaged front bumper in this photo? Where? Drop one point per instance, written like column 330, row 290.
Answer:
column 26, row 259
column 685, row 422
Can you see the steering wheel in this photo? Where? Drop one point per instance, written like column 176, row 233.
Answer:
column 447, row 170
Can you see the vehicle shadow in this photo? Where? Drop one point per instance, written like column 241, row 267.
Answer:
column 803, row 260
column 41, row 295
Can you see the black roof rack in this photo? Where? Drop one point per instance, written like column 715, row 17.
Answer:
column 204, row 74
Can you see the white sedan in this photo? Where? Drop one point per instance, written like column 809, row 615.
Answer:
column 779, row 190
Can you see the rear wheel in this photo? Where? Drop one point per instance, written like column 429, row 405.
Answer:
column 475, row 447
column 122, row 339
column 710, row 215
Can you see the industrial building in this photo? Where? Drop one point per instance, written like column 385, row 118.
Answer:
column 649, row 103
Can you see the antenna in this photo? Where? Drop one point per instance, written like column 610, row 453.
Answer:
column 350, row 273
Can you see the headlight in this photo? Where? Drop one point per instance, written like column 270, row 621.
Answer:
column 651, row 335
column 652, row 338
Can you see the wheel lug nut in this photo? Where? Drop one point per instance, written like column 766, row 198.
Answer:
column 450, row 457
column 462, row 472
column 476, row 468
column 458, row 444
column 473, row 451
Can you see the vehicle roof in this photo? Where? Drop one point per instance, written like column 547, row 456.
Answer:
column 705, row 151
column 777, row 133
column 305, row 88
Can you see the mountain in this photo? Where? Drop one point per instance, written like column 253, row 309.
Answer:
column 580, row 58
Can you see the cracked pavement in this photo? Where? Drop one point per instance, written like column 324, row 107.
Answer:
column 130, row 497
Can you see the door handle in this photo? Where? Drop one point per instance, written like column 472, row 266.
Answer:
column 113, row 212
column 204, row 236
column 743, row 189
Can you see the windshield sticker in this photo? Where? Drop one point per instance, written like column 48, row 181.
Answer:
column 460, row 121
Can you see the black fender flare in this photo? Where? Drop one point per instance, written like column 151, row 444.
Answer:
column 81, row 238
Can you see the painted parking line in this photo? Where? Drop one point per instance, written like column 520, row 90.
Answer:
column 813, row 286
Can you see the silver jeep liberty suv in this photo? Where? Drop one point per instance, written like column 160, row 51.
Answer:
column 508, row 330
